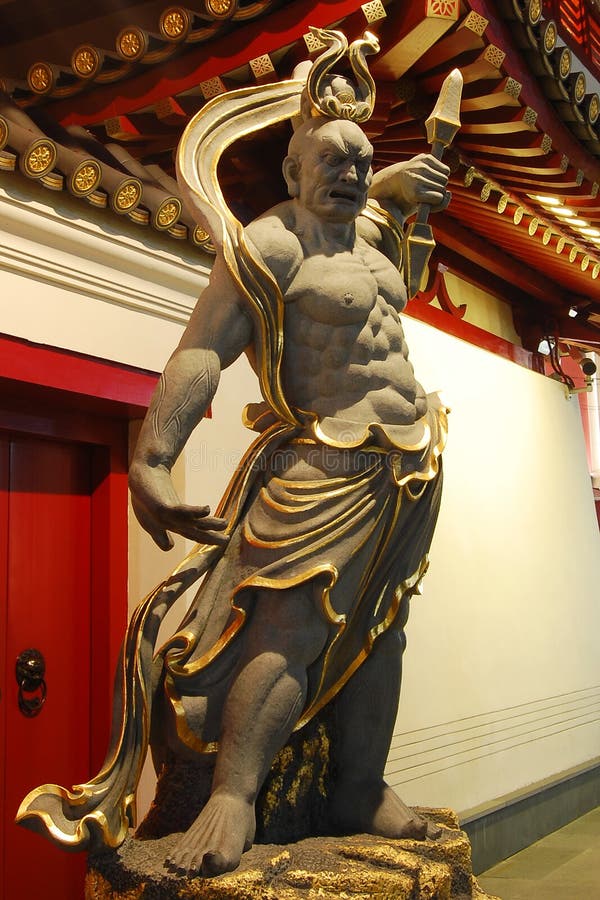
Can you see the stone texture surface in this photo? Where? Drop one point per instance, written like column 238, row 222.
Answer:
column 356, row 868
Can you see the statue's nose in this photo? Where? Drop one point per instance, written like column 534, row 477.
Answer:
column 350, row 174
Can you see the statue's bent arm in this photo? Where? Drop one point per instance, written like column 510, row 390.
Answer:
column 401, row 187
column 218, row 332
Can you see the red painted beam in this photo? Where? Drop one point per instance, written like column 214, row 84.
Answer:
column 265, row 35
column 463, row 241
column 444, row 321
column 39, row 365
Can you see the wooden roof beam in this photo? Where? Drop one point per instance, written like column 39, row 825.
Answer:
column 533, row 145
column 500, row 33
column 499, row 121
column 585, row 203
column 468, row 36
column 164, row 206
column 396, row 153
column 138, row 127
column 559, row 184
column 506, row 93
column 554, row 165
column 574, row 331
column 135, row 44
column 487, row 66
column 409, row 32
column 84, row 175
column 170, row 112
column 545, row 232
column 178, row 23
column 47, row 79
column 413, row 131
column 531, row 234
column 466, row 243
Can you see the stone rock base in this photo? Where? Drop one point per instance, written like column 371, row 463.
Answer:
column 339, row 868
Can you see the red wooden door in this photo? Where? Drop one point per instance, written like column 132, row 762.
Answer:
column 45, row 593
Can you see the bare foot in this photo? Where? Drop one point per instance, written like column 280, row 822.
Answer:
column 374, row 808
column 214, row 843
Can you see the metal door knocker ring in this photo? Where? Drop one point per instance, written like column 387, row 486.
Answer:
column 30, row 669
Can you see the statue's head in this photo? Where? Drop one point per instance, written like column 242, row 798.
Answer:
column 328, row 168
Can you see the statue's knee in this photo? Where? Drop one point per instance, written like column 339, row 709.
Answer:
column 292, row 623
column 305, row 635
column 313, row 638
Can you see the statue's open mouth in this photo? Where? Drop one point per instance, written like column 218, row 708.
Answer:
column 350, row 196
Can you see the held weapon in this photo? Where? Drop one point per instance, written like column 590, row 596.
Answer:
column 442, row 125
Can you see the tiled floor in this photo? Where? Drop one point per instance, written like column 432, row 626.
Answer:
column 563, row 866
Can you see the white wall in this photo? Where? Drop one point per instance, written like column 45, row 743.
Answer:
column 502, row 674
column 83, row 281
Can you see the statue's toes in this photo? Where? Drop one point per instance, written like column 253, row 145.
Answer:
column 179, row 863
column 185, row 861
column 216, row 863
column 417, row 829
column 433, row 830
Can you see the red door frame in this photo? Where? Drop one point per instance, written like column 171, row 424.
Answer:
column 50, row 392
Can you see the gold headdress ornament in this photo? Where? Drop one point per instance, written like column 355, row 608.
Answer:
column 333, row 95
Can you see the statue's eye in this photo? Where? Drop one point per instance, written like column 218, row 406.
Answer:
column 332, row 159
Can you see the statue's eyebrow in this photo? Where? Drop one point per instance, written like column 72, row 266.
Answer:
column 332, row 144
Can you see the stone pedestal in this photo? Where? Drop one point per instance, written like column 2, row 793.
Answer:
column 357, row 868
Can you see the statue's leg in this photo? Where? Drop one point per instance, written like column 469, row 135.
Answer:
column 284, row 636
column 365, row 719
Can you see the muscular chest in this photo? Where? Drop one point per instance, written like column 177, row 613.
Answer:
column 343, row 288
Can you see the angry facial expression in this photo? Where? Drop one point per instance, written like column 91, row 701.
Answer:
column 333, row 170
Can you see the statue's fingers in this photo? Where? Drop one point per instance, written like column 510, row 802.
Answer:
column 202, row 536
column 162, row 538
column 432, row 197
column 213, row 537
column 445, row 202
column 437, row 206
column 213, row 522
column 197, row 530
column 198, row 515
column 192, row 511
column 435, row 179
column 148, row 522
column 437, row 165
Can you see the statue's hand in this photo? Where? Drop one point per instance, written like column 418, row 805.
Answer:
column 159, row 510
column 405, row 185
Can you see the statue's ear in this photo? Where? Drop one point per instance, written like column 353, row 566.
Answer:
column 291, row 173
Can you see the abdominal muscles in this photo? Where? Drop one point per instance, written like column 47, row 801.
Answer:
column 356, row 370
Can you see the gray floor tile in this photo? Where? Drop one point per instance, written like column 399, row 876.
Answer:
column 564, row 838
column 534, row 863
column 563, row 866
column 505, row 889
column 585, row 867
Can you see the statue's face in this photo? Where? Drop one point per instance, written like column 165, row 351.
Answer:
column 335, row 171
